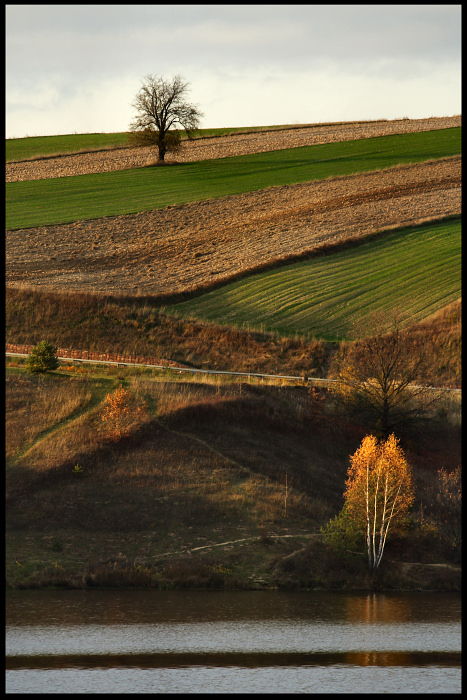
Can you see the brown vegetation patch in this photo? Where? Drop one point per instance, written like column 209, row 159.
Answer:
column 108, row 328
column 32, row 407
column 195, row 498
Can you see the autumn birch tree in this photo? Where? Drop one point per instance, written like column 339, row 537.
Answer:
column 379, row 492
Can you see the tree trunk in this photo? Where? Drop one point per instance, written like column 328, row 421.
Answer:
column 162, row 147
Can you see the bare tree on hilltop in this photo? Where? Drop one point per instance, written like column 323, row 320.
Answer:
column 161, row 105
column 381, row 379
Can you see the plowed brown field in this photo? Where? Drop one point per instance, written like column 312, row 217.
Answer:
column 193, row 245
column 223, row 147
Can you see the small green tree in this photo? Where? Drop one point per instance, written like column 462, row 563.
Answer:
column 343, row 534
column 42, row 358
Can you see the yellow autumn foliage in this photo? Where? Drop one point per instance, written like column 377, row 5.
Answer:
column 379, row 491
column 121, row 412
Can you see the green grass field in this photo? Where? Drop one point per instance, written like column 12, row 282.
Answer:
column 415, row 271
column 31, row 147
column 39, row 146
column 68, row 199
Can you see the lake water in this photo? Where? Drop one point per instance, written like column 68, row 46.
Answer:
column 232, row 642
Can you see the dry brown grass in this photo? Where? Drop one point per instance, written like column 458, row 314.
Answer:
column 77, row 320
column 74, row 320
column 33, row 405
column 208, row 476
column 73, row 441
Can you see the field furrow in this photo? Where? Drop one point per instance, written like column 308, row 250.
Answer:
column 194, row 245
column 219, row 147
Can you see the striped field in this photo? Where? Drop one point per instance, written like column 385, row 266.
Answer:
column 83, row 197
column 415, row 271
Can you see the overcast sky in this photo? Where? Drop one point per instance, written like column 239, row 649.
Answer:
column 77, row 68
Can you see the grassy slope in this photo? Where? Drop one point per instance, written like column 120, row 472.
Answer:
column 137, row 327
column 414, row 271
column 213, row 470
column 32, row 147
column 62, row 200
column 206, row 465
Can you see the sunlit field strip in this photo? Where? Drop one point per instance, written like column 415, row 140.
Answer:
column 415, row 271
column 31, row 147
column 38, row 146
column 68, row 199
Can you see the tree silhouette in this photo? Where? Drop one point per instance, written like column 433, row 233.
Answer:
column 161, row 105
column 379, row 380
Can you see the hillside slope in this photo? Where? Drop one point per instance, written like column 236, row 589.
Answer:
column 216, row 484
column 190, row 246
column 220, row 147
column 222, row 486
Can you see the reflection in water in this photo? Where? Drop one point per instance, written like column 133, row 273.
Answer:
column 377, row 607
column 240, row 659
column 106, row 607
column 145, row 637
column 402, row 658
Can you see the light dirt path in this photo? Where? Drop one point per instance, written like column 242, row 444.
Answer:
column 194, row 438
column 219, row 147
column 257, row 538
